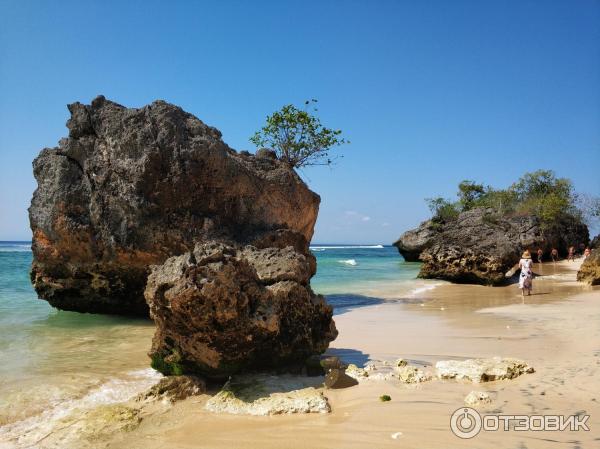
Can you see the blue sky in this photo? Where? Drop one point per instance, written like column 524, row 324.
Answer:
column 429, row 93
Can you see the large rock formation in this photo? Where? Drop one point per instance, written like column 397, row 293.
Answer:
column 129, row 188
column 224, row 308
column 412, row 243
column 590, row 268
column 480, row 247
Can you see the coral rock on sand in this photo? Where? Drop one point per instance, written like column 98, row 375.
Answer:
column 356, row 373
column 477, row 398
column 174, row 388
column 480, row 247
column 411, row 374
column 482, row 370
column 268, row 395
column 130, row 188
column 590, row 268
column 223, row 308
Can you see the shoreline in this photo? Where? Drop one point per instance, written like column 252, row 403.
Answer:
column 554, row 331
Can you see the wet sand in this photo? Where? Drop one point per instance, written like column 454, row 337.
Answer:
column 557, row 330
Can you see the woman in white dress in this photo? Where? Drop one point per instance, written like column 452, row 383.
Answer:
column 526, row 277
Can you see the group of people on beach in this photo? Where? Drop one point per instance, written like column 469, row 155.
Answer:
column 526, row 264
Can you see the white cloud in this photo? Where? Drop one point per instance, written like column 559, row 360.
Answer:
column 365, row 218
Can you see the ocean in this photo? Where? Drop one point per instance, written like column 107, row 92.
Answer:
column 53, row 362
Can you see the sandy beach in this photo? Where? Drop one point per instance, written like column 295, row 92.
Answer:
column 556, row 330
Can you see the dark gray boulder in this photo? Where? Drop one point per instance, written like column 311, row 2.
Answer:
column 129, row 188
column 480, row 246
column 413, row 242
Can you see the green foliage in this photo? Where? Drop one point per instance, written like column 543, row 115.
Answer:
column 385, row 398
column 298, row 137
column 442, row 210
column 469, row 193
column 540, row 193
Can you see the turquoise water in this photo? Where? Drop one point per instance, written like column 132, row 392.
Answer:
column 354, row 268
column 52, row 361
column 341, row 270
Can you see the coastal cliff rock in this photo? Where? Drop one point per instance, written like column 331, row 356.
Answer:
column 590, row 268
column 480, row 247
column 224, row 308
column 129, row 188
column 412, row 243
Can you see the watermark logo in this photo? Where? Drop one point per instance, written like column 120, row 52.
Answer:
column 467, row 423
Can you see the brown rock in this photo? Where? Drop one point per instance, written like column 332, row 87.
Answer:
column 337, row 378
column 130, row 188
column 590, row 268
column 227, row 308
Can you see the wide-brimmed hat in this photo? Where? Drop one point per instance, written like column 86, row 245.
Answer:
column 526, row 254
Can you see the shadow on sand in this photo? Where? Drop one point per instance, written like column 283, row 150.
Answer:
column 345, row 302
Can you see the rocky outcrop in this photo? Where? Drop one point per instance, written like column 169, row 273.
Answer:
column 590, row 268
column 413, row 242
column 223, row 308
column 482, row 370
column 129, row 188
column 480, row 246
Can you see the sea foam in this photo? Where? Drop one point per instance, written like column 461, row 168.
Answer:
column 21, row 433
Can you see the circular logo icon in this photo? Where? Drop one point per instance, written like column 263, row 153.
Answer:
column 465, row 423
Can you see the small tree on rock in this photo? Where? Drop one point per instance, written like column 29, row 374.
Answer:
column 298, row 137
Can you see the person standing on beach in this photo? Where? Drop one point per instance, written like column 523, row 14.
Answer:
column 540, row 253
column 526, row 277
column 571, row 255
column 554, row 255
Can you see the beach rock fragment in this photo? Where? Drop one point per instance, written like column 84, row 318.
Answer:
column 337, row 378
column 225, row 308
column 174, row 388
column 480, row 247
column 332, row 362
column 409, row 374
column 263, row 395
column 590, row 268
column 129, row 188
column 477, row 398
column 482, row 370
column 356, row 372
